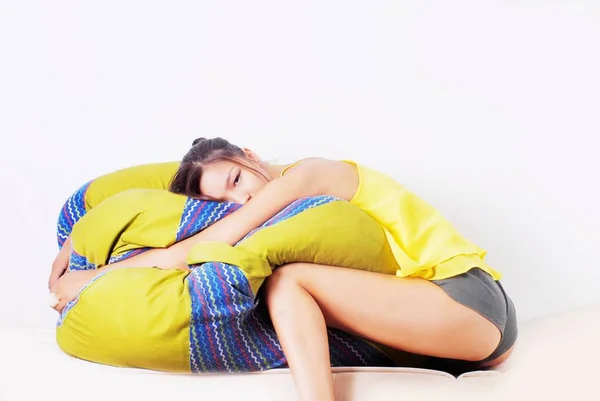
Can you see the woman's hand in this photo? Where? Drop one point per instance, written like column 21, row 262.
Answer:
column 68, row 287
column 61, row 262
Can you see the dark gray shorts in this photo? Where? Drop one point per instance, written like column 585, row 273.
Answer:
column 477, row 290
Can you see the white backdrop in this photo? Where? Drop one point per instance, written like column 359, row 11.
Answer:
column 488, row 110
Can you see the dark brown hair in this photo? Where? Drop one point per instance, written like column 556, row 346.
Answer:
column 186, row 180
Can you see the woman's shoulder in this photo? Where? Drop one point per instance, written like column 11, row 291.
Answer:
column 313, row 163
column 332, row 177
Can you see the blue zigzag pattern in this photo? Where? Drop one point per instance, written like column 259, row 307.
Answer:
column 229, row 332
column 71, row 212
column 79, row 262
column 199, row 214
column 127, row 254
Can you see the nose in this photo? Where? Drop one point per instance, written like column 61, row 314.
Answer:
column 242, row 199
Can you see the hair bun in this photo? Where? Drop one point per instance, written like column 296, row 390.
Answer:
column 197, row 140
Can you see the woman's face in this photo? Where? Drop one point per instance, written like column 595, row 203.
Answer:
column 227, row 181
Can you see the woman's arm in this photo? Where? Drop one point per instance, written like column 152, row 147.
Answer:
column 299, row 182
column 67, row 287
column 61, row 262
column 94, row 192
column 310, row 178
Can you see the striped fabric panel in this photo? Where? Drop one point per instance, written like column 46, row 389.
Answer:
column 230, row 332
column 71, row 212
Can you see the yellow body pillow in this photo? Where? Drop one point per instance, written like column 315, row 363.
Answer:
column 209, row 319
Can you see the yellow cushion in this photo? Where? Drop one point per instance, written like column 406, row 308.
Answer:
column 94, row 192
column 336, row 234
column 206, row 320
column 138, row 317
column 150, row 176
column 132, row 219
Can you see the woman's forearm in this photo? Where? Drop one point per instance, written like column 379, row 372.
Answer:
column 270, row 200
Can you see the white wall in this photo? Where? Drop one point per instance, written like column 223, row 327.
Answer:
column 488, row 110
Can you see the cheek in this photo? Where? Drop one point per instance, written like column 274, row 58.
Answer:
column 254, row 183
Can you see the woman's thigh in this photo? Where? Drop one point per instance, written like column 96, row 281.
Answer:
column 410, row 314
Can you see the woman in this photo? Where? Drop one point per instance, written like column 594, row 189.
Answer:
column 445, row 302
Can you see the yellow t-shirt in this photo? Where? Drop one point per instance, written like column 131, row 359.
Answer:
column 424, row 243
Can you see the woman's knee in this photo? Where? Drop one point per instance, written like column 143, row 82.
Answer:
column 280, row 283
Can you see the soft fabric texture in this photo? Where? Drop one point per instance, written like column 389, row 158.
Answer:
column 93, row 192
column 424, row 243
column 209, row 319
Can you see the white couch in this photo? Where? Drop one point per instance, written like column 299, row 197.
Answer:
column 555, row 358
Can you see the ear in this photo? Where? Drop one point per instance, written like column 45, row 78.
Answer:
column 251, row 155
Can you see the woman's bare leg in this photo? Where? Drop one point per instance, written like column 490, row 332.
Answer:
column 410, row 314
column 302, row 332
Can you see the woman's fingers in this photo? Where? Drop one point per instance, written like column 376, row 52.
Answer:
column 54, row 276
column 57, row 302
column 61, row 262
column 56, row 299
column 61, row 305
column 68, row 287
column 58, row 268
column 53, row 300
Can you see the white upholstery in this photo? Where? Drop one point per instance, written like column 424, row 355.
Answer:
column 554, row 358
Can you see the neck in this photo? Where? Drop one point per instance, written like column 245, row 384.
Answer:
column 273, row 170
